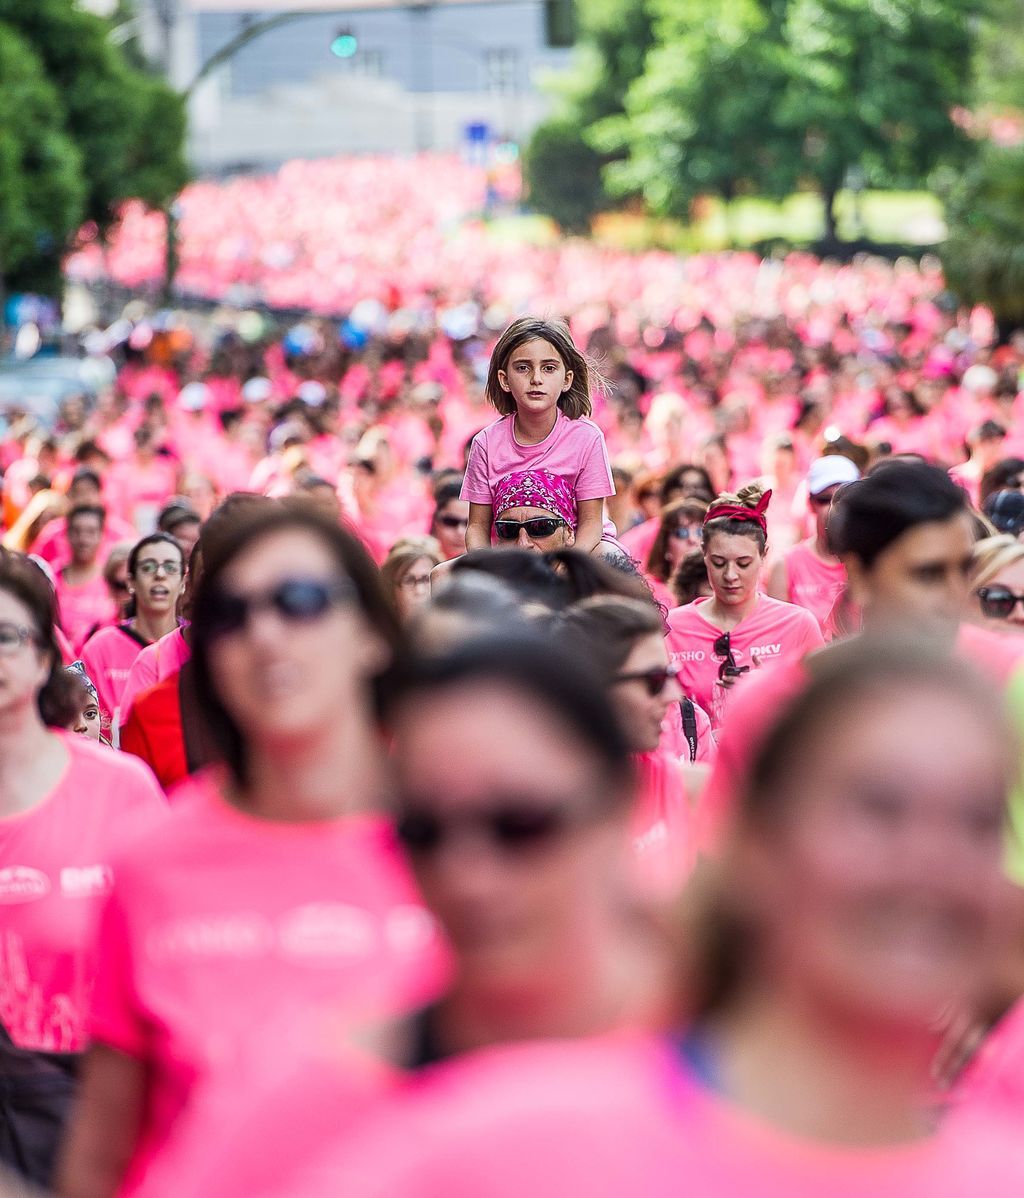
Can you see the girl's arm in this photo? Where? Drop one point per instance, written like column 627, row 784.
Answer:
column 478, row 534
column 590, row 515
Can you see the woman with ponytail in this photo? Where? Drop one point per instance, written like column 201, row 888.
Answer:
column 716, row 641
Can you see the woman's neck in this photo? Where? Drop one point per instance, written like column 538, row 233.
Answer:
column 823, row 1076
column 153, row 627
column 324, row 776
column 531, row 430
column 31, row 760
column 727, row 615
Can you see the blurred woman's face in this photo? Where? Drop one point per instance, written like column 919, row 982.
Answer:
column 450, row 524
column 878, row 892
column 1006, row 586
column 641, row 712
column 23, row 669
column 412, row 587
column 734, row 567
column 532, row 849
column 683, row 537
column 284, row 676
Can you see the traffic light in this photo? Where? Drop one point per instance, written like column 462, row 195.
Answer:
column 345, row 44
column 560, row 23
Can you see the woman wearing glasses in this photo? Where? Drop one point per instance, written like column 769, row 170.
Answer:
column 716, row 641
column 451, row 519
column 678, row 533
column 270, row 887
column 156, row 575
column 997, row 575
column 405, row 574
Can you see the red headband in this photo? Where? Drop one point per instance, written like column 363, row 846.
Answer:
column 735, row 511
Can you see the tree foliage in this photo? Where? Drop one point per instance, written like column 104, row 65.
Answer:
column 123, row 128
column 564, row 175
column 984, row 253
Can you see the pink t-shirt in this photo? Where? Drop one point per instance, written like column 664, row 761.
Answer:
column 55, row 867
column 573, row 450
column 108, row 657
column 84, row 608
column 606, row 1119
column 224, row 929
column 994, row 1079
column 152, row 665
column 773, row 633
column 811, row 582
column 52, row 543
column 663, row 840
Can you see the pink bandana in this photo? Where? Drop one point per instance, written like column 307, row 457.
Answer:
column 539, row 489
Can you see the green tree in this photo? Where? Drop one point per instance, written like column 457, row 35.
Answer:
column 127, row 126
column 984, row 253
column 42, row 192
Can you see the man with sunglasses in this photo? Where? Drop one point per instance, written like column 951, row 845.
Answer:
column 534, row 509
column 809, row 574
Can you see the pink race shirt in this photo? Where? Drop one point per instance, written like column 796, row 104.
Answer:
column 108, row 657
column 813, row 583
column 152, row 665
column 223, row 929
column 55, row 868
column 609, row 1119
column 773, row 633
column 574, row 450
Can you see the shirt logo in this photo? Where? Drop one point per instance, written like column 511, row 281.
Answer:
column 234, row 936
column 766, row 650
column 22, row 884
column 326, row 931
column 690, row 655
column 86, row 881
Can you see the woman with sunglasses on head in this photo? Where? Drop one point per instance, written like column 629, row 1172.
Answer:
column 64, row 802
column 858, row 894
column 715, row 642
column 156, row 575
column 678, row 533
column 271, row 887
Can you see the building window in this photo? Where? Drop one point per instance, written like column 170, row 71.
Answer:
column 502, row 69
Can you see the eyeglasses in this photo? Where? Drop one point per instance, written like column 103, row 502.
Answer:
column 149, row 567
column 295, row 600
column 537, row 528
column 728, row 669
column 512, row 827
column 684, row 533
column 13, row 637
column 413, row 582
column 654, row 680
column 453, row 522
column 998, row 603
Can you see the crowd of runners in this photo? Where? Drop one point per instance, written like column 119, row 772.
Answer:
column 459, row 752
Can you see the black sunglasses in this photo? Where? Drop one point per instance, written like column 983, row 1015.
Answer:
column 537, row 528
column 511, row 827
column 728, row 669
column 453, row 521
column 999, row 603
column 654, row 680
column 295, row 600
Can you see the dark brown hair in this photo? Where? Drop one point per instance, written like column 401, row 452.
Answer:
column 672, row 517
column 24, row 581
column 748, row 496
column 605, row 629
column 251, row 525
column 576, row 401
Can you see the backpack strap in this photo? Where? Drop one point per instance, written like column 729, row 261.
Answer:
column 689, row 725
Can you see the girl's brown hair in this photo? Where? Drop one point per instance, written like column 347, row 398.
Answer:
column 748, row 496
column 576, row 401
column 603, row 630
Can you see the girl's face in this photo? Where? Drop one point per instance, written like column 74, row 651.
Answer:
column 158, row 579
column 734, row 567
column 450, row 526
column 87, row 722
column 412, row 588
column 878, row 892
column 536, row 377
column 285, row 679
column 640, row 711
column 684, row 537
column 23, row 669
column 481, row 761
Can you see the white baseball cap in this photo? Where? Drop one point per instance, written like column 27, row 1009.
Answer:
column 193, row 397
column 831, row 471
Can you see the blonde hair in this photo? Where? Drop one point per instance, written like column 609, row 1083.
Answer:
column 992, row 555
column 401, row 557
column 748, row 496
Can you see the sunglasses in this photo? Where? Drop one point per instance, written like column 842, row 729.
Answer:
column 511, row 827
column 537, row 528
column 728, row 669
column 453, row 522
column 13, row 636
column 999, row 603
column 654, row 680
column 684, row 532
column 295, row 600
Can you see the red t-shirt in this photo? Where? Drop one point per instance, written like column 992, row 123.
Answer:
column 55, row 868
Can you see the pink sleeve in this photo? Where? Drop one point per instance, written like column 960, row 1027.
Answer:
column 115, row 1016
column 594, row 480
column 811, row 637
column 476, row 486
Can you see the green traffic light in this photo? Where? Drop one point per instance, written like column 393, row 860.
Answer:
column 344, row 45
